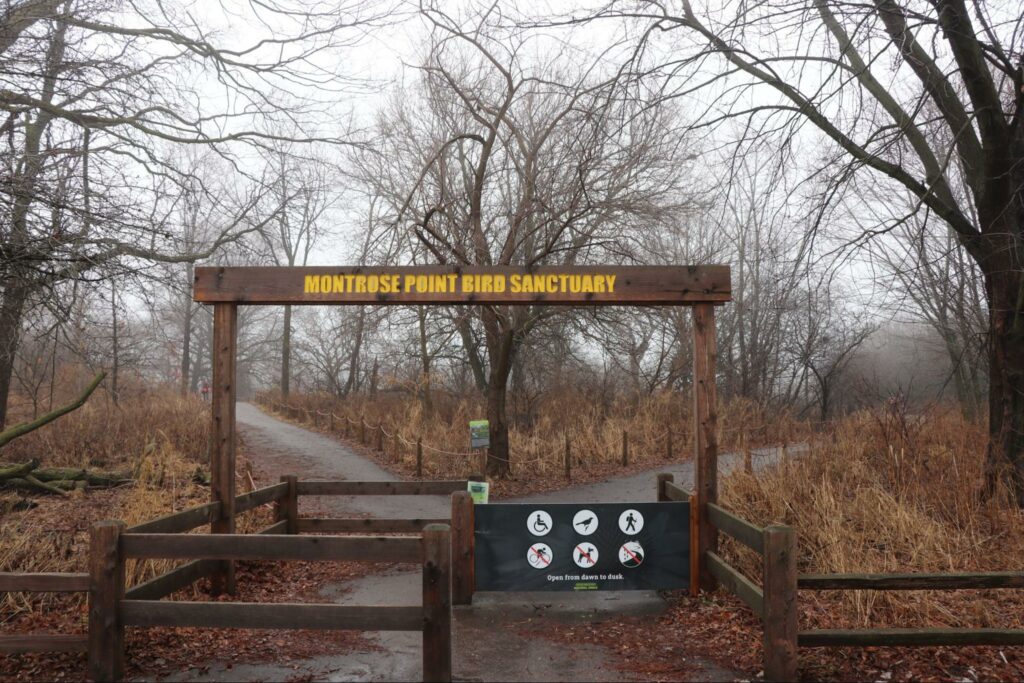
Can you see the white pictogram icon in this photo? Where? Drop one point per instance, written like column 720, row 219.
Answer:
column 585, row 522
column 631, row 554
column 539, row 555
column 585, row 555
column 631, row 522
column 539, row 523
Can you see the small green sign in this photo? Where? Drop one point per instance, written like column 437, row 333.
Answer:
column 479, row 491
column 479, row 434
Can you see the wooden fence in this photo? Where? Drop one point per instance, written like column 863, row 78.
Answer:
column 113, row 606
column 775, row 600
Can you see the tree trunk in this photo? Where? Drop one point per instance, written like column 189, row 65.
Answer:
column 117, row 356
column 11, row 311
column 1005, row 457
column 286, row 351
column 186, row 337
column 501, row 349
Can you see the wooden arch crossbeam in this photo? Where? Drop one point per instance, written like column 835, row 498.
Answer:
column 226, row 288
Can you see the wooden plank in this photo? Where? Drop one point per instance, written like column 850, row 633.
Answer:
column 437, row 603
column 43, row 642
column 271, row 547
column 179, row 522
column 626, row 285
column 695, row 562
column 280, row 527
column 254, row 499
column 662, row 480
column 737, row 527
column 43, row 582
column 705, row 434
column 736, row 583
column 910, row 637
column 462, row 540
column 252, row 615
column 222, row 465
column 780, row 608
column 369, row 525
column 674, row 492
column 380, row 488
column 173, row 581
column 106, row 591
column 902, row 582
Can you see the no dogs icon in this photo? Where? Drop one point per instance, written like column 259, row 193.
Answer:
column 585, row 555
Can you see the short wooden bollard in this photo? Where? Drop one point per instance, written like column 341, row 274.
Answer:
column 625, row 448
column 780, row 604
column 437, row 603
column 463, row 579
column 664, row 478
column 748, row 458
column 483, row 459
column 380, row 437
column 419, row 457
column 332, row 420
column 567, row 458
column 362, row 430
column 668, row 449
column 106, row 591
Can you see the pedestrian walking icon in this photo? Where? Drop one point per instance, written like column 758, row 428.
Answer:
column 631, row 522
column 539, row 523
column 585, row 522
column 539, row 555
column 585, row 555
column 631, row 554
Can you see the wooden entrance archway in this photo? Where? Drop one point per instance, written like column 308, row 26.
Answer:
column 226, row 288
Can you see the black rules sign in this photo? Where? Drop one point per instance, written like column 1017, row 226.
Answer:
column 598, row 546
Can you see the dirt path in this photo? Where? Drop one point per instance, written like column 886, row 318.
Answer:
column 499, row 638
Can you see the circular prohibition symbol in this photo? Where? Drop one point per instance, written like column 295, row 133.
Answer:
column 585, row 555
column 631, row 554
column 539, row 555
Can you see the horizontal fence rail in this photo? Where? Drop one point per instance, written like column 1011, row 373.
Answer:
column 737, row 584
column 271, row 547
column 12, row 582
column 250, row 615
column 909, row 637
column 43, row 642
column 367, row 525
column 739, row 529
column 914, row 581
column 380, row 488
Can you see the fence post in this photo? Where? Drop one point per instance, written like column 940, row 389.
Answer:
column 380, row 437
column 362, row 429
column 331, row 420
column 419, row 457
column 289, row 505
column 483, row 459
column 106, row 590
column 437, row 603
column 748, row 460
column 780, row 604
column 663, row 479
column 668, row 455
column 625, row 448
column 463, row 578
column 568, row 459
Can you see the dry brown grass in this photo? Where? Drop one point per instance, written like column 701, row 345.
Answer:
column 595, row 432
column 157, row 437
column 888, row 492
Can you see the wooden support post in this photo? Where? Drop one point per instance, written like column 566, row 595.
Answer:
column 419, row 457
column 625, row 448
column 695, row 564
column 664, row 478
column 483, row 459
column 222, row 467
column 106, row 591
column 290, row 504
column 316, row 417
column 380, row 437
column 331, row 418
column 748, row 458
column 568, row 459
column 437, row 603
column 668, row 449
column 705, row 437
column 463, row 579
column 780, row 604
column 362, row 430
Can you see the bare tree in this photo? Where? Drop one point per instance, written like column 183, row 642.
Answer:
column 866, row 78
